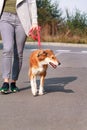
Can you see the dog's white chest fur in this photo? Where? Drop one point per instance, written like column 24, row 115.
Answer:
column 37, row 70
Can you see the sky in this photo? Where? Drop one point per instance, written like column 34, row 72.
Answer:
column 72, row 5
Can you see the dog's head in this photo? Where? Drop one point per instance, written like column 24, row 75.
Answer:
column 48, row 57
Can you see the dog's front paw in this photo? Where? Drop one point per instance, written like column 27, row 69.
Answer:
column 41, row 92
column 34, row 92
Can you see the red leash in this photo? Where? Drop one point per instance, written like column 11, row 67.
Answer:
column 35, row 35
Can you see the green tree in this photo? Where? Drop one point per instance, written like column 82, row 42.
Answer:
column 49, row 15
column 77, row 22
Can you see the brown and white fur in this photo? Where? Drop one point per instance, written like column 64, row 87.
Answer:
column 38, row 64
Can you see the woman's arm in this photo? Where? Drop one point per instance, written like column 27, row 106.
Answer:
column 33, row 12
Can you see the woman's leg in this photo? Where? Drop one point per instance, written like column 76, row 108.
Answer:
column 20, row 38
column 7, row 33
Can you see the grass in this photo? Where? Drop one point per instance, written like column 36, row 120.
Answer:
column 65, row 39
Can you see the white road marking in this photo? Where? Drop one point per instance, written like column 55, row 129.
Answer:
column 33, row 49
column 64, row 51
column 72, row 52
column 84, row 51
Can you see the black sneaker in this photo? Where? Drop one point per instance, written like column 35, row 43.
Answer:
column 4, row 88
column 13, row 87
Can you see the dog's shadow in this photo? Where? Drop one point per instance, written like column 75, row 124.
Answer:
column 58, row 84
column 55, row 84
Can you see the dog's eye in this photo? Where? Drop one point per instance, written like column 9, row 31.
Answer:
column 44, row 53
column 52, row 57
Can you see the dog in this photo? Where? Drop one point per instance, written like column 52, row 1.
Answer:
column 38, row 64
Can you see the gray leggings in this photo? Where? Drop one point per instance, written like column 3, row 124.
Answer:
column 13, row 37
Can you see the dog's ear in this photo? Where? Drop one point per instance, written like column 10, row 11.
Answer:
column 42, row 52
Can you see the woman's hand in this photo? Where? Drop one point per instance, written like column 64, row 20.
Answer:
column 34, row 27
column 33, row 33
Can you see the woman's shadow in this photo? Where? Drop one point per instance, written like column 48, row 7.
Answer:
column 58, row 84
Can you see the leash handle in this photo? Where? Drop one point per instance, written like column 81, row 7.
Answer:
column 35, row 35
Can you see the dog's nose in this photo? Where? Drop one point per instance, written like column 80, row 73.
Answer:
column 59, row 63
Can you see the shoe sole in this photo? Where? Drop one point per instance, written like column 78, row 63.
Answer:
column 14, row 91
column 4, row 92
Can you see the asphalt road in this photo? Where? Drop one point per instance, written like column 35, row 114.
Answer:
column 63, row 107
